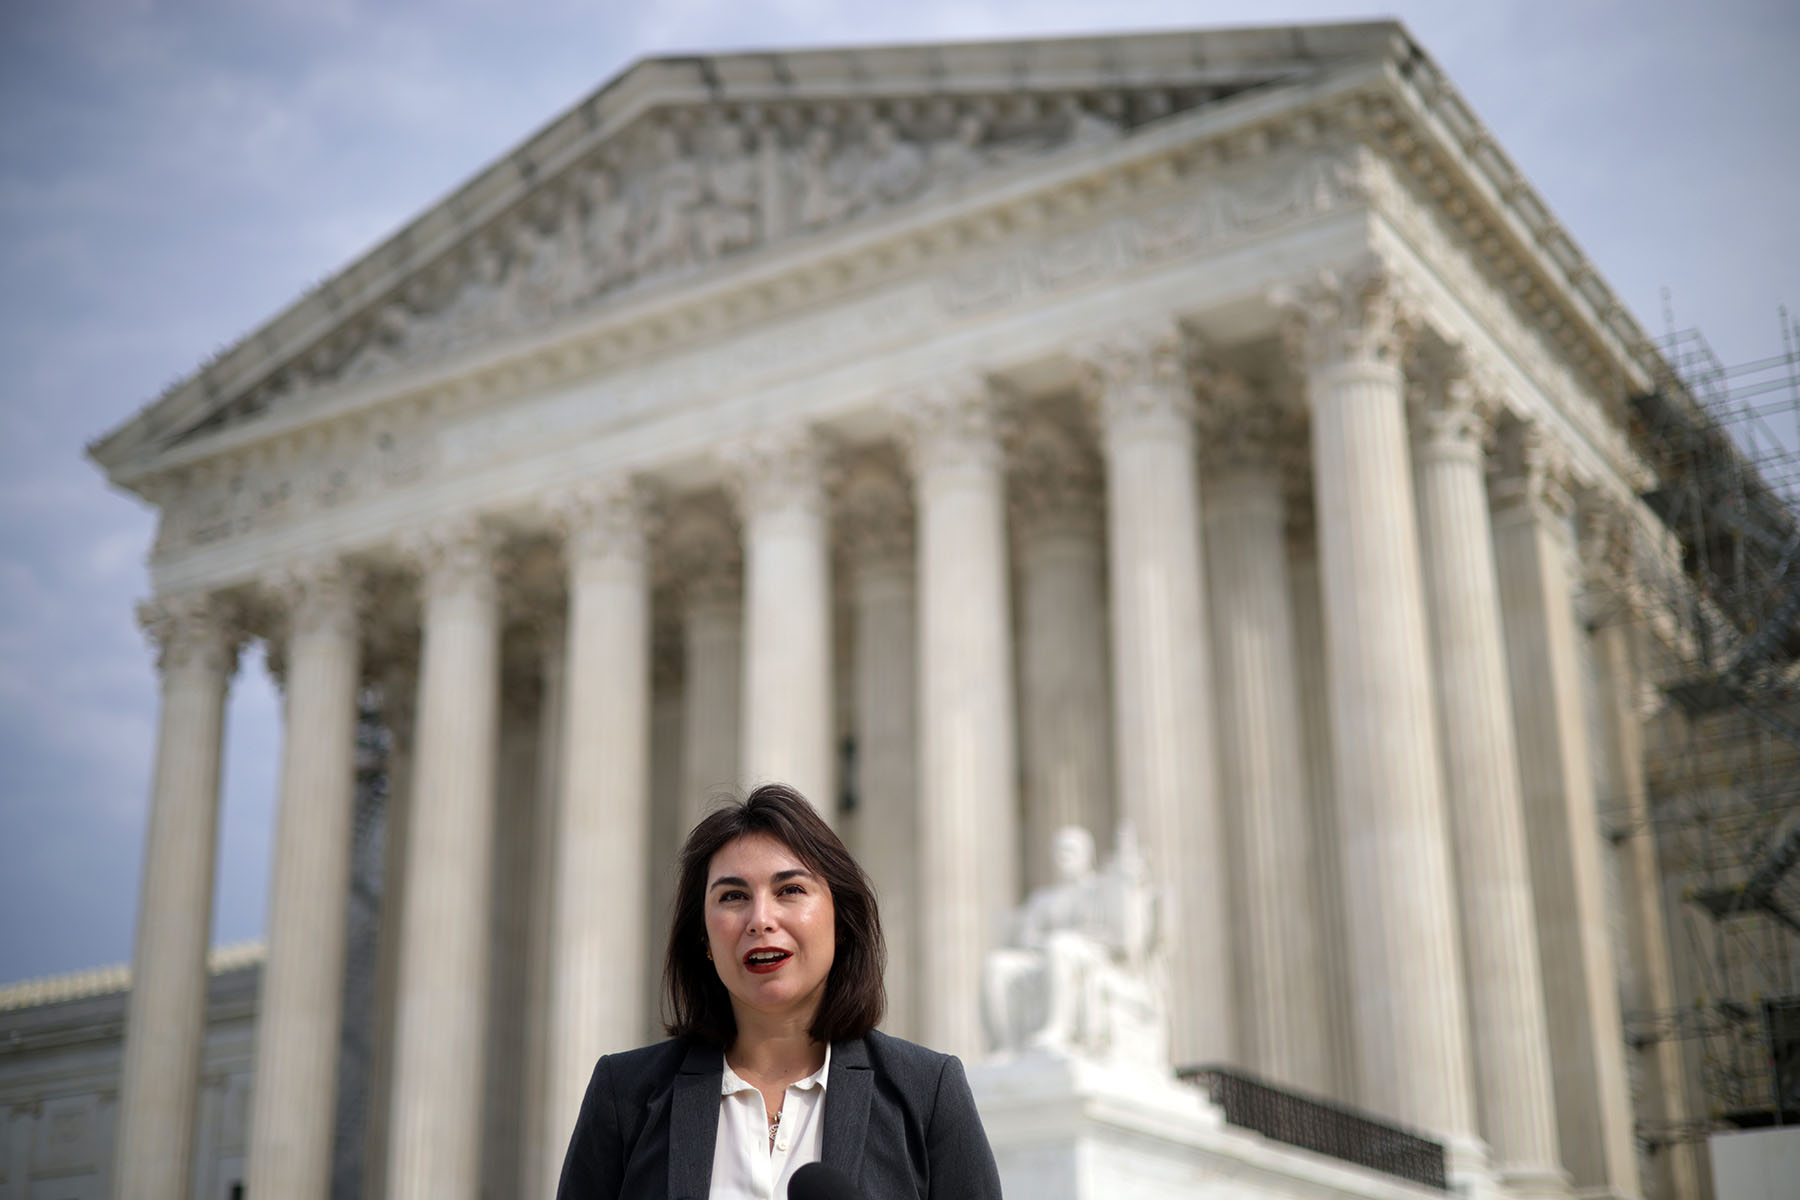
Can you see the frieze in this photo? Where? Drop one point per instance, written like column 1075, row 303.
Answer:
column 1214, row 210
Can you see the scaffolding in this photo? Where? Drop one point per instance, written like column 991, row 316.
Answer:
column 1724, row 759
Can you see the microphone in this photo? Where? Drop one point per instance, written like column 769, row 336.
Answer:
column 817, row 1181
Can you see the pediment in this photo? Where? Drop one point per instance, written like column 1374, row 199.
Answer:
column 680, row 166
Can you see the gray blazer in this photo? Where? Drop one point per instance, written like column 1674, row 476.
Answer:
column 899, row 1119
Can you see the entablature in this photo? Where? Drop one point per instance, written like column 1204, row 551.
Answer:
column 685, row 159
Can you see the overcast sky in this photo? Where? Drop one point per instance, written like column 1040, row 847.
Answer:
column 172, row 174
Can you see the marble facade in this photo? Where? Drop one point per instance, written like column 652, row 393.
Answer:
column 1187, row 429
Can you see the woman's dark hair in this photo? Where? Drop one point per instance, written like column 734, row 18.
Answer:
column 696, row 1002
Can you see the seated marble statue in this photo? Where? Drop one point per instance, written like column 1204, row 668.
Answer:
column 1082, row 973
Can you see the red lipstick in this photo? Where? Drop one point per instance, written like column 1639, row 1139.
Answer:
column 765, row 959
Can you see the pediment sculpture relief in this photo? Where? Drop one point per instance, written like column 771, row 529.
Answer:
column 676, row 193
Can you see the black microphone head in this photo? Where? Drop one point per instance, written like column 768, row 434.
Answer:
column 818, row 1181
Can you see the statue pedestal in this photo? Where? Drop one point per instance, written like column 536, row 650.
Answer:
column 1069, row 1128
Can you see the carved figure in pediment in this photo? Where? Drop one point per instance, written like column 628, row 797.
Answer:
column 960, row 155
column 482, row 304
column 606, row 237
column 386, row 343
column 894, row 171
column 824, row 196
column 1088, row 128
column 732, row 215
column 674, row 195
column 547, row 273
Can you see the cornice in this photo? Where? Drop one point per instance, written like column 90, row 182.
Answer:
column 1424, row 126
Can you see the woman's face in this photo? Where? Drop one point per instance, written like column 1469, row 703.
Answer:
column 771, row 927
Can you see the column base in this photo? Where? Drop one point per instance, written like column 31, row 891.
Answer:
column 1469, row 1169
column 1534, row 1183
column 1067, row 1128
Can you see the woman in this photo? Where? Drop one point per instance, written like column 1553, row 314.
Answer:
column 773, row 976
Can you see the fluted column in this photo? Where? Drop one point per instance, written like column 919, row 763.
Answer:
column 1281, row 1023
column 399, row 683
column 516, row 814
column 1162, row 675
column 705, row 555
column 602, row 839
column 1531, row 542
column 299, row 1014
column 875, row 525
column 1508, row 1034
column 165, row 1020
column 968, row 788
column 540, row 1157
column 434, row 1130
column 1066, row 701
column 1413, row 1060
column 666, row 831
column 1314, row 737
column 788, row 723
column 1647, row 984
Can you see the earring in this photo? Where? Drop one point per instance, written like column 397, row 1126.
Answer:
column 709, row 957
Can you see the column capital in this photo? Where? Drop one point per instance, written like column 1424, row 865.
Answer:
column 703, row 552
column 398, row 681
column 603, row 519
column 322, row 595
column 874, row 508
column 1531, row 472
column 1136, row 378
column 1355, row 314
column 455, row 558
column 1243, row 427
column 950, row 424
column 1453, row 401
column 1056, row 475
column 192, row 629
column 1607, row 549
column 776, row 469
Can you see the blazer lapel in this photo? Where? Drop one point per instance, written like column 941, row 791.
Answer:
column 848, row 1086
column 694, row 1122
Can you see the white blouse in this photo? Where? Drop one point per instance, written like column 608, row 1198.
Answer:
column 745, row 1165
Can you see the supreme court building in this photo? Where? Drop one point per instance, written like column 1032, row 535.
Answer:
column 1211, row 429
